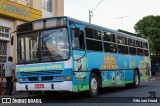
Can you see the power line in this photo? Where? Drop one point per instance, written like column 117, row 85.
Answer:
column 97, row 5
column 91, row 12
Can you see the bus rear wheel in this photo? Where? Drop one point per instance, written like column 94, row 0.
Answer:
column 93, row 85
column 136, row 81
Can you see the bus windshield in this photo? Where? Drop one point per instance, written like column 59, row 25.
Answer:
column 48, row 45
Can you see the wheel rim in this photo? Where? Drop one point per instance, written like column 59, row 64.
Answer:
column 136, row 79
column 93, row 85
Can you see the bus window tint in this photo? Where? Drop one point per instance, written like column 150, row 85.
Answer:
column 145, row 45
column 77, row 42
column 132, row 50
column 89, row 33
column 139, row 51
column 93, row 39
column 93, row 33
column 97, row 34
column 138, row 43
column 94, row 45
column 109, row 47
column 107, row 36
column 131, row 42
column 122, row 40
column 81, row 40
column 122, row 49
column 146, row 53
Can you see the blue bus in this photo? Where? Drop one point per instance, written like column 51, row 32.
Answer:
column 64, row 54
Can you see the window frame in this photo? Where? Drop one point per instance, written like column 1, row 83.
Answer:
column 47, row 5
column 4, row 32
column 111, row 35
column 93, row 39
column 124, row 44
column 78, row 37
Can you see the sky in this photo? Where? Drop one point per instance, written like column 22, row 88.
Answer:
column 108, row 13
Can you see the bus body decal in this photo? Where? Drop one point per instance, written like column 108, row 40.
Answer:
column 38, row 67
column 80, row 79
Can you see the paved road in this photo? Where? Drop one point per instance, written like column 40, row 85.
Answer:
column 106, row 97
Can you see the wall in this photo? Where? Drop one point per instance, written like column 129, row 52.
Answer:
column 16, row 22
column 9, row 24
column 59, row 7
column 36, row 4
column 46, row 14
column 58, row 10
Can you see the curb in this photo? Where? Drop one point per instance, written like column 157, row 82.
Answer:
column 154, row 78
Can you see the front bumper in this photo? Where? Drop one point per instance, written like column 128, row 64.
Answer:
column 54, row 86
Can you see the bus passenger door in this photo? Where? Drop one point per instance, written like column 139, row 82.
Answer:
column 79, row 58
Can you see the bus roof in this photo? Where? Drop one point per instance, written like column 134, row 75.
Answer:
column 107, row 29
column 95, row 26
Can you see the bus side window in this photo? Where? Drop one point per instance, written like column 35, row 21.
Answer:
column 97, row 34
column 108, row 36
column 89, row 33
column 122, row 46
column 138, row 43
column 77, row 42
column 139, row 51
column 131, row 42
column 145, row 45
column 146, row 53
column 122, row 40
column 145, row 49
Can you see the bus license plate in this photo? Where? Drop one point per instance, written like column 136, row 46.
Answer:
column 39, row 85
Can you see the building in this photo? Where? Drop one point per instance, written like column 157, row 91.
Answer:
column 15, row 12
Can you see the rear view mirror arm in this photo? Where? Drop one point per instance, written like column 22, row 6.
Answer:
column 12, row 37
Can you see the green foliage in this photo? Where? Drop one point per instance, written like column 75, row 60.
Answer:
column 149, row 28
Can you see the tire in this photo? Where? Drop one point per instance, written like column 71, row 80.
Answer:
column 93, row 85
column 136, row 81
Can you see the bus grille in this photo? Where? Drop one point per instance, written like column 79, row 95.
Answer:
column 40, row 73
column 47, row 78
column 33, row 78
column 43, row 78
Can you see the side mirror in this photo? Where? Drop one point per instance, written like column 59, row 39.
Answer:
column 12, row 37
column 12, row 40
column 77, row 32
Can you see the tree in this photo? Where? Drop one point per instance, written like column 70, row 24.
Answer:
column 149, row 28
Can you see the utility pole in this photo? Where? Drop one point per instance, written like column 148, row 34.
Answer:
column 122, row 19
column 91, row 11
column 90, row 15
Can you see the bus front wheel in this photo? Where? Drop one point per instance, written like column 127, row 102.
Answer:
column 93, row 85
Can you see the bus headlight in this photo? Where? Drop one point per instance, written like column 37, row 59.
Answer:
column 68, row 77
column 22, row 79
